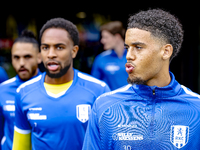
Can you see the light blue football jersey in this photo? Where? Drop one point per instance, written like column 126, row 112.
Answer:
column 7, row 110
column 57, row 121
column 140, row 117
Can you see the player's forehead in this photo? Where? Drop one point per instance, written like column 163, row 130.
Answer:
column 22, row 49
column 53, row 36
column 137, row 35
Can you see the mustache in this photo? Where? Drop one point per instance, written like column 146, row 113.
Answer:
column 22, row 68
column 52, row 62
column 131, row 63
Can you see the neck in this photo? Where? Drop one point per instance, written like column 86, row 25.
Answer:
column 64, row 79
column 161, row 79
column 119, row 48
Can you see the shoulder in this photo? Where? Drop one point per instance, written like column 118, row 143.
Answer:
column 104, row 54
column 108, row 99
column 90, row 80
column 91, row 84
column 118, row 93
column 189, row 94
column 30, row 84
column 9, row 81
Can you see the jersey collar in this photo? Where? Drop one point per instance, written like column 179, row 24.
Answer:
column 158, row 92
column 20, row 81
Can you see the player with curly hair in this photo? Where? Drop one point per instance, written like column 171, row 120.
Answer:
column 153, row 112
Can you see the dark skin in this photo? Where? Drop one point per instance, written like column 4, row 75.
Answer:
column 58, row 51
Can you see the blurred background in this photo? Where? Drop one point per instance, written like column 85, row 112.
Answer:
column 89, row 16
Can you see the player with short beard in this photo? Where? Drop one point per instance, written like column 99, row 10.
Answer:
column 153, row 112
column 53, row 109
column 25, row 59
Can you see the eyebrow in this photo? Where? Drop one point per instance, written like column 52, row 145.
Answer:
column 54, row 44
column 135, row 43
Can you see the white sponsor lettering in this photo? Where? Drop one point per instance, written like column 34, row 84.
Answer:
column 127, row 137
column 36, row 116
column 9, row 107
column 37, row 108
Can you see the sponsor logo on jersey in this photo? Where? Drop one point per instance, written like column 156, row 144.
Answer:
column 82, row 112
column 10, row 105
column 126, row 137
column 112, row 68
column 179, row 135
column 36, row 116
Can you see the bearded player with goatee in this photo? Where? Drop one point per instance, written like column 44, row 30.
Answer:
column 53, row 109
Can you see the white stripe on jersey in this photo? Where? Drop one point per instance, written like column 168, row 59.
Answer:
column 122, row 89
column 190, row 92
column 88, row 78
column 9, row 81
column 22, row 131
column 29, row 82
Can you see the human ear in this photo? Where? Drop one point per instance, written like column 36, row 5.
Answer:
column 39, row 58
column 167, row 51
column 75, row 51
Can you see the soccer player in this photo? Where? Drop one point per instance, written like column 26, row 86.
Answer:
column 153, row 112
column 109, row 65
column 25, row 60
column 52, row 110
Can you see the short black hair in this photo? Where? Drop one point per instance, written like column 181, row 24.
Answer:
column 63, row 24
column 27, row 36
column 161, row 24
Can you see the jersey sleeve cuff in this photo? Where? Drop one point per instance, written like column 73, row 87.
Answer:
column 22, row 131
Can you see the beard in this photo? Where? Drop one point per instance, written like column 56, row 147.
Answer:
column 137, row 80
column 62, row 72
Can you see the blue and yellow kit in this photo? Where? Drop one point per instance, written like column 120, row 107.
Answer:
column 56, row 121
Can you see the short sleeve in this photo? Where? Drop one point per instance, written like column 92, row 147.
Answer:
column 21, row 121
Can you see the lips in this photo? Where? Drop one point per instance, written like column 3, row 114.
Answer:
column 22, row 70
column 129, row 67
column 52, row 66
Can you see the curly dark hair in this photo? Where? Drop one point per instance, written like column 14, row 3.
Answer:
column 160, row 24
column 63, row 24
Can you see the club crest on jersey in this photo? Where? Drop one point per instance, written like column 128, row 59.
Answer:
column 179, row 135
column 82, row 112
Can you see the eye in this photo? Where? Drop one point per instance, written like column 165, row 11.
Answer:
column 59, row 48
column 16, row 57
column 27, row 56
column 44, row 47
column 126, row 46
column 138, row 47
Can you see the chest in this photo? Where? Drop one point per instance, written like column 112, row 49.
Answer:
column 113, row 65
column 8, row 105
column 164, row 126
column 45, row 112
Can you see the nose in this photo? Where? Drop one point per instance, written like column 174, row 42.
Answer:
column 22, row 62
column 130, row 54
column 51, row 53
column 102, row 41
